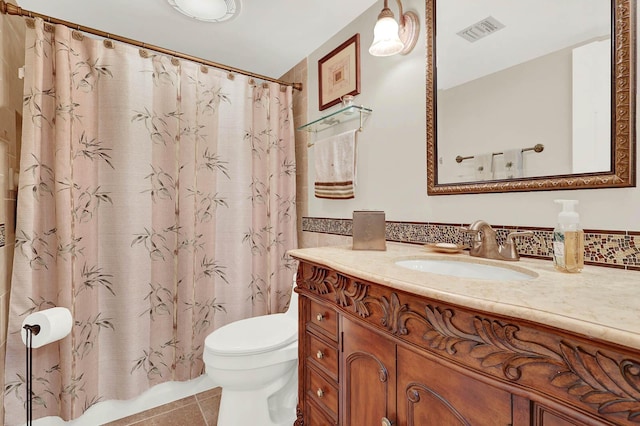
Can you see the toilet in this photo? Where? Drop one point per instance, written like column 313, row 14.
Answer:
column 255, row 361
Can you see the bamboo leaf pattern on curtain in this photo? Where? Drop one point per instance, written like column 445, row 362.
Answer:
column 156, row 203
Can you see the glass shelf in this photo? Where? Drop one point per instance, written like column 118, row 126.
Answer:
column 342, row 115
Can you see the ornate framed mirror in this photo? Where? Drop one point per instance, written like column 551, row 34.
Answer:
column 561, row 116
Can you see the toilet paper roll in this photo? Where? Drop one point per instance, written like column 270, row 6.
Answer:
column 55, row 324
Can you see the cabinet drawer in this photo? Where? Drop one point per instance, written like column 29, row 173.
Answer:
column 324, row 355
column 316, row 417
column 321, row 391
column 324, row 318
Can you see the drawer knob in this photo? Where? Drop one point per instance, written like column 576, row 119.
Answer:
column 386, row 422
column 319, row 355
column 320, row 317
column 320, row 393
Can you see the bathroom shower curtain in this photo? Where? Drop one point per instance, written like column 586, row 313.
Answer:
column 156, row 202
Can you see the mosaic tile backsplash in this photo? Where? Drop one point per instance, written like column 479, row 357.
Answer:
column 618, row 249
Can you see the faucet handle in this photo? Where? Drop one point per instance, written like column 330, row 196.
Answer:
column 509, row 250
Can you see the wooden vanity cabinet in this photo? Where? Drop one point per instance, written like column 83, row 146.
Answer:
column 375, row 355
column 371, row 354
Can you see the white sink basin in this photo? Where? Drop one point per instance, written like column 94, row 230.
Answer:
column 466, row 269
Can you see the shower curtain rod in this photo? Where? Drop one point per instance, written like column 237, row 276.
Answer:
column 11, row 9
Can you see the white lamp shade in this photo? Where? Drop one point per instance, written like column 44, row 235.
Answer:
column 386, row 41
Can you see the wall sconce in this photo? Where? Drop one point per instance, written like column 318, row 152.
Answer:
column 388, row 38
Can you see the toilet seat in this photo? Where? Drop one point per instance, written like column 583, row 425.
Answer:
column 252, row 336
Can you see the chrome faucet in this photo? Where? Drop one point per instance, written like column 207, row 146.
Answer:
column 485, row 242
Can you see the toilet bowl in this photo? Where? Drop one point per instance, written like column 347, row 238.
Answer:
column 255, row 362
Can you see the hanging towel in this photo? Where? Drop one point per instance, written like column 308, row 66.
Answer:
column 509, row 164
column 483, row 166
column 335, row 164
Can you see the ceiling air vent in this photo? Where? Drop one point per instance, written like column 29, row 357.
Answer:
column 481, row 29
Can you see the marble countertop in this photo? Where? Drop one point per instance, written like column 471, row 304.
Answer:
column 599, row 302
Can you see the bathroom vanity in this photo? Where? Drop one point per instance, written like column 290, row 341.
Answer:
column 381, row 344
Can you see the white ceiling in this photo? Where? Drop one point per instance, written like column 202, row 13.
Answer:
column 269, row 37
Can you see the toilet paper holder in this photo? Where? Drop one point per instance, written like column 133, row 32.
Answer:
column 50, row 325
column 31, row 330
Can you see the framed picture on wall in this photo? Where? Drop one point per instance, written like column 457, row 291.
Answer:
column 339, row 73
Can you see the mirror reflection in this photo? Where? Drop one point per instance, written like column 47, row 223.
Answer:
column 523, row 89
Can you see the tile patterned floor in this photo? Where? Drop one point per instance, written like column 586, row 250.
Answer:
column 197, row 410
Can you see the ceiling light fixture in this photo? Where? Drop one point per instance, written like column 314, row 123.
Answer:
column 207, row 10
column 389, row 38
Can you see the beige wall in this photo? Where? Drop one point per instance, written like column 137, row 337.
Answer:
column 11, row 58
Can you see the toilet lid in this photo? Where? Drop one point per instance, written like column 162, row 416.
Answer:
column 253, row 335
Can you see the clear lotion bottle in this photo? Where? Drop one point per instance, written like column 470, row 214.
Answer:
column 568, row 239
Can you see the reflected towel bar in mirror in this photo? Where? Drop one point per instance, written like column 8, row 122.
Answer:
column 537, row 148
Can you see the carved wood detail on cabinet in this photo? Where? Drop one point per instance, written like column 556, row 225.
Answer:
column 599, row 379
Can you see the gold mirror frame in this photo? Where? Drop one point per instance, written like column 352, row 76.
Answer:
column 623, row 118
